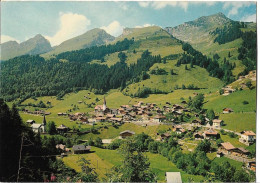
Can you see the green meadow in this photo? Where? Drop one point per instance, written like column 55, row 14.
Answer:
column 103, row 160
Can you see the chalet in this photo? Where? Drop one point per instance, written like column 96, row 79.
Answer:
column 210, row 134
column 247, row 137
column 39, row 128
column 251, row 165
column 180, row 131
column 196, row 122
column 116, row 120
column 227, row 110
column 80, row 149
column 62, row 128
column 126, row 133
column 140, row 103
column 60, row 146
column 101, row 119
column 30, row 121
column 47, row 113
column 78, row 114
column 173, row 177
column 198, row 136
column 83, row 119
column 165, row 135
column 158, row 118
column 217, row 123
column 226, row 148
column 219, row 154
column 114, row 111
column 111, row 115
column 124, row 106
column 228, row 90
column 183, row 102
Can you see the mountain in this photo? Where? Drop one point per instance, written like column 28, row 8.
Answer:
column 198, row 31
column 215, row 34
column 94, row 37
column 33, row 46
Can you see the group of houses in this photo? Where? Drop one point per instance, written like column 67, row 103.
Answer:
column 37, row 112
column 139, row 111
column 227, row 148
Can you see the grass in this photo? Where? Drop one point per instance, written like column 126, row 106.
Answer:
column 234, row 163
column 103, row 160
column 197, row 76
column 239, row 121
column 113, row 132
column 234, row 101
column 234, row 141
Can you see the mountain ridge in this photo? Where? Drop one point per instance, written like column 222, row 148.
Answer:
column 33, row 46
column 93, row 37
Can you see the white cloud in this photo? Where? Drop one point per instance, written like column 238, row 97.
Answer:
column 71, row 25
column 181, row 4
column 145, row 25
column 114, row 28
column 249, row 18
column 144, row 4
column 5, row 38
column 235, row 6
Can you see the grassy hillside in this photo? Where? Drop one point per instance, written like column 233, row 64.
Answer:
column 103, row 160
column 197, row 76
column 113, row 132
column 234, row 101
column 93, row 37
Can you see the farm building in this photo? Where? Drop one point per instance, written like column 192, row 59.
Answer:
column 247, row 137
column 228, row 148
column 126, row 133
column 101, row 119
column 217, row 123
column 80, row 149
column 173, row 177
column 62, row 128
column 227, row 110
column 159, row 118
column 210, row 134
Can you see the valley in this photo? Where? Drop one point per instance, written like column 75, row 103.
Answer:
column 150, row 101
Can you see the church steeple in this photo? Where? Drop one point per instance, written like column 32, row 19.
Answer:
column 44, row 120
column 104, row 104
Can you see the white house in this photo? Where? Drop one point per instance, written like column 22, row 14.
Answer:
column 247, row 137
column 217, row 123
column 173, row 177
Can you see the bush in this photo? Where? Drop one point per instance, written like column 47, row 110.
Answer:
column 245, row 102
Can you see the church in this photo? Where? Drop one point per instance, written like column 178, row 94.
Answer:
column 102, row 109
column 39, row 128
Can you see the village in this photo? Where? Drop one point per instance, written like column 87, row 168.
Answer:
column 149, row 114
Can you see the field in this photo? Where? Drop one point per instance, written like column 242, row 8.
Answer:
column 103, row 160
column 234, row 163
column 234, row 101
column 113, row 132
column 239, row 121
column 197, row 76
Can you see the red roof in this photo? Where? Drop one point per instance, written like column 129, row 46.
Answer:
column 249, row 133
column 99, row 107
column 228, row 146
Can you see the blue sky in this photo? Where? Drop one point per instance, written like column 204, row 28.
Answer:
column 59, row 21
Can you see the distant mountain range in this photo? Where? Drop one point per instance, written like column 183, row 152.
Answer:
column 33, row 46
column 94, row 37
column 198, row 33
